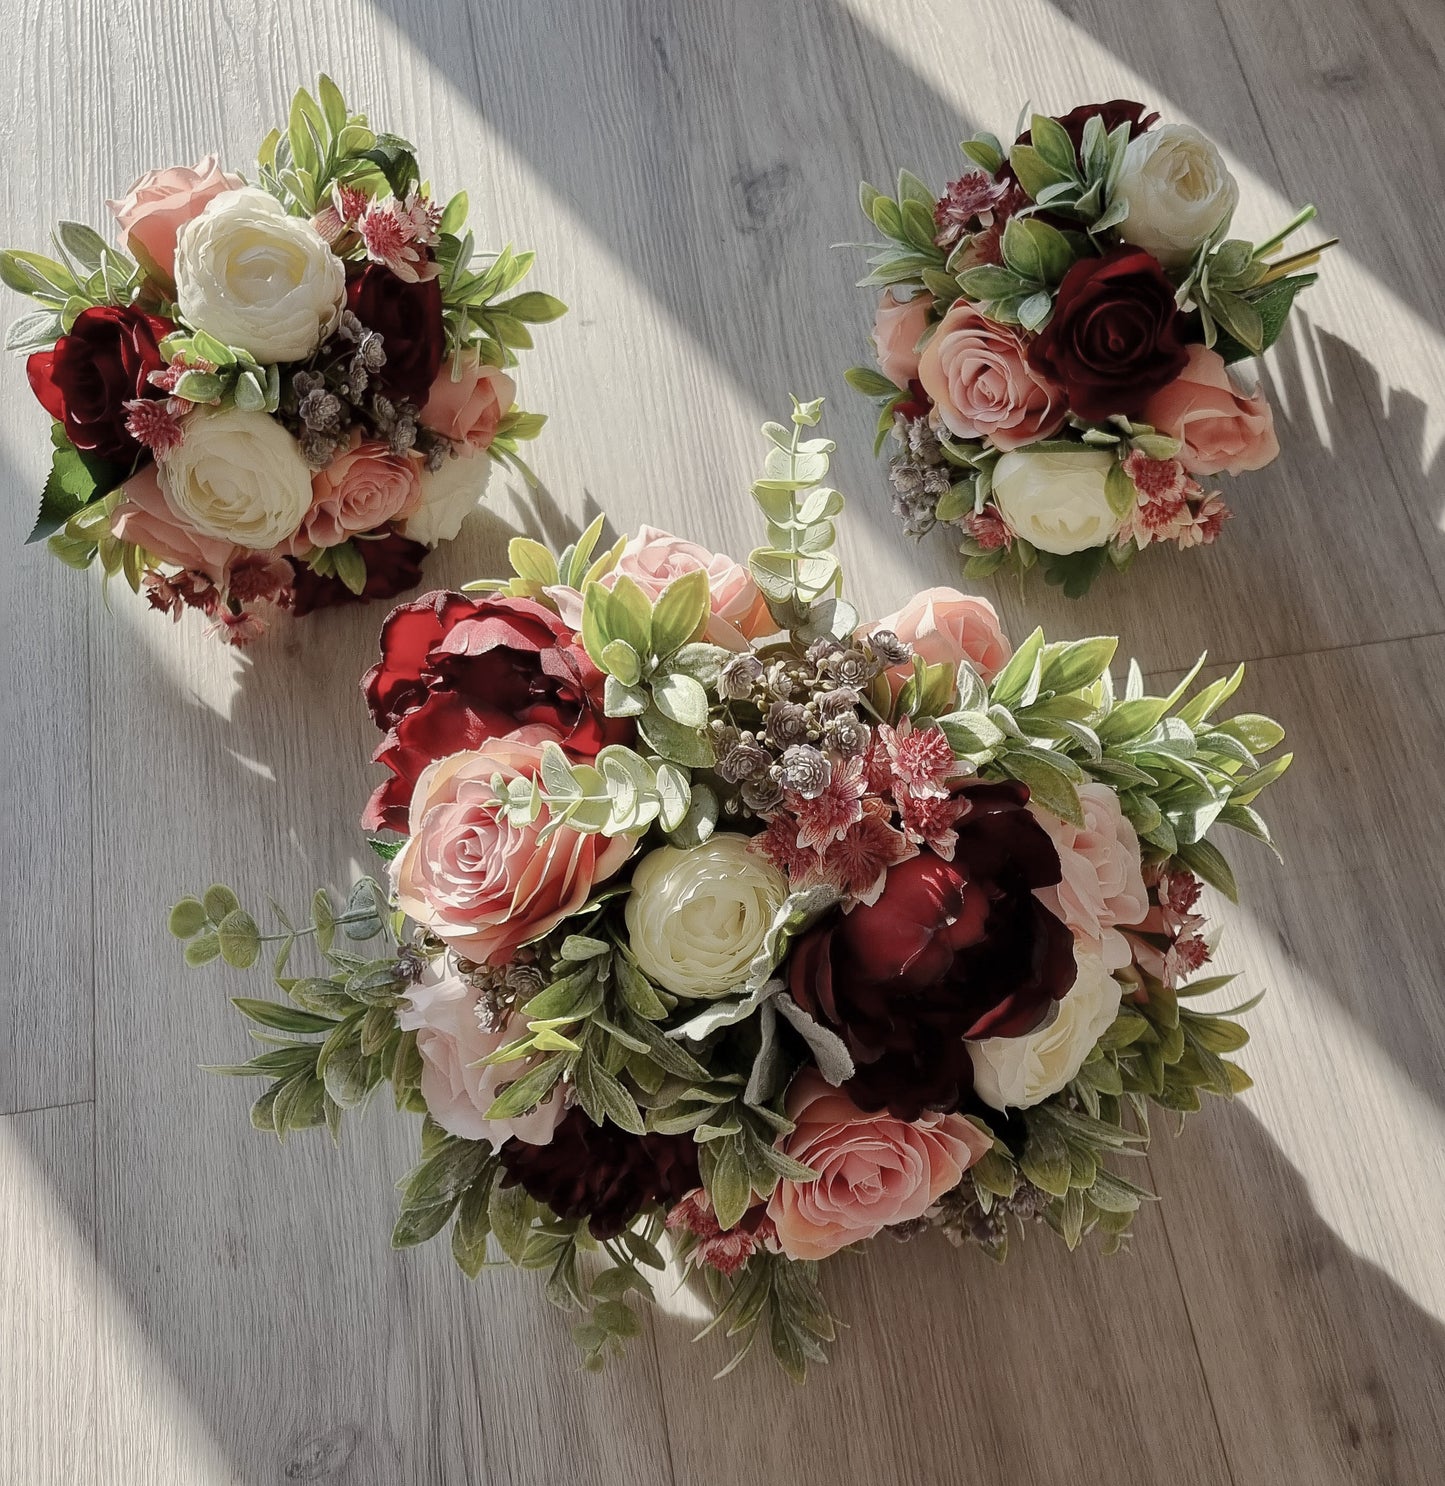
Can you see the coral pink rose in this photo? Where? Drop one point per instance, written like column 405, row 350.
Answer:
column 360, row 490
column 897, row 330
column 480, row 883
column 153, row 211
column 873, row 1170
column 1220, row 428
column 653, row 558
column 945, row 627
column 148, row 519
column 978, row 375
column 468, row 407
column 442, row 1010
column 1103, row 883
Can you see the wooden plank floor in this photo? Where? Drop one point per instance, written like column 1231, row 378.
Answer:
column 182, row 1301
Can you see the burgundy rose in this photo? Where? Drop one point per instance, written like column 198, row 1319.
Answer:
column 1116, row 335
column 86, row 378
column 408, row 318
column 602, row 1173
column 455, row 671
column 393, row 564
column 951, row 950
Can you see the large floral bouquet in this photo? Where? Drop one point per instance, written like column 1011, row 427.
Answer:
column 275, row 396
column 1056, row 337
column 714, row 911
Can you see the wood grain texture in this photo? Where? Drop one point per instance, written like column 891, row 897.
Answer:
column 184, row 1300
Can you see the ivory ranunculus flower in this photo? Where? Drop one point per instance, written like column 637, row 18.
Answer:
column 1016, row 1072
column 874, row 1170
column 257, row 279
column 1178, row 190
column 1056, row 501
column 697, row 915
column 458, row 1088
column 238, row 476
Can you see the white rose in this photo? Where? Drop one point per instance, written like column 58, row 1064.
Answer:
column 1016, row 1072
column 1178, row 190
column 696, row 916
column 257, row 279
column 1056, row 501
column 238, row 476
column 448, row 497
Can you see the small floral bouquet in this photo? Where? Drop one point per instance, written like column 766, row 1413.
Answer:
column 1056, row 337
column 275, row 396
column 713, row 911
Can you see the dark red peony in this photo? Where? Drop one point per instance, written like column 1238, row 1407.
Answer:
column 393, row 564
column 86, row 378
column 951, row 950
column 1116, row 335
column 408, row 318
column 455, row 671
column 602, row 1173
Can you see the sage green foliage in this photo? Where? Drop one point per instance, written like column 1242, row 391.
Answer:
column 334, row 1038
column 772, row 1296
column 457, row 1182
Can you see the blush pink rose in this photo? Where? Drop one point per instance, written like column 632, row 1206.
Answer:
column 653, row 558
column 873, row 1170
column 151, row 214
column 480, row 883
column 1103, row 882
column 1220, row 427
column 978, row 374
column 945, row 627
column 468, row 407
column 146, row 518
column 897, row 329
column 442, row 1010
column 361, row 489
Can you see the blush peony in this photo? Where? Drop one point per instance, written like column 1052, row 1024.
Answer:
column 458, row 1088
column 873, row 1170
column 481, row 883
column 653, row 558
column 981, row 381
column 1103, row 883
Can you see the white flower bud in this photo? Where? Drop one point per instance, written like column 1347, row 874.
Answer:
column 1178, row 190
column 1056, row 501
